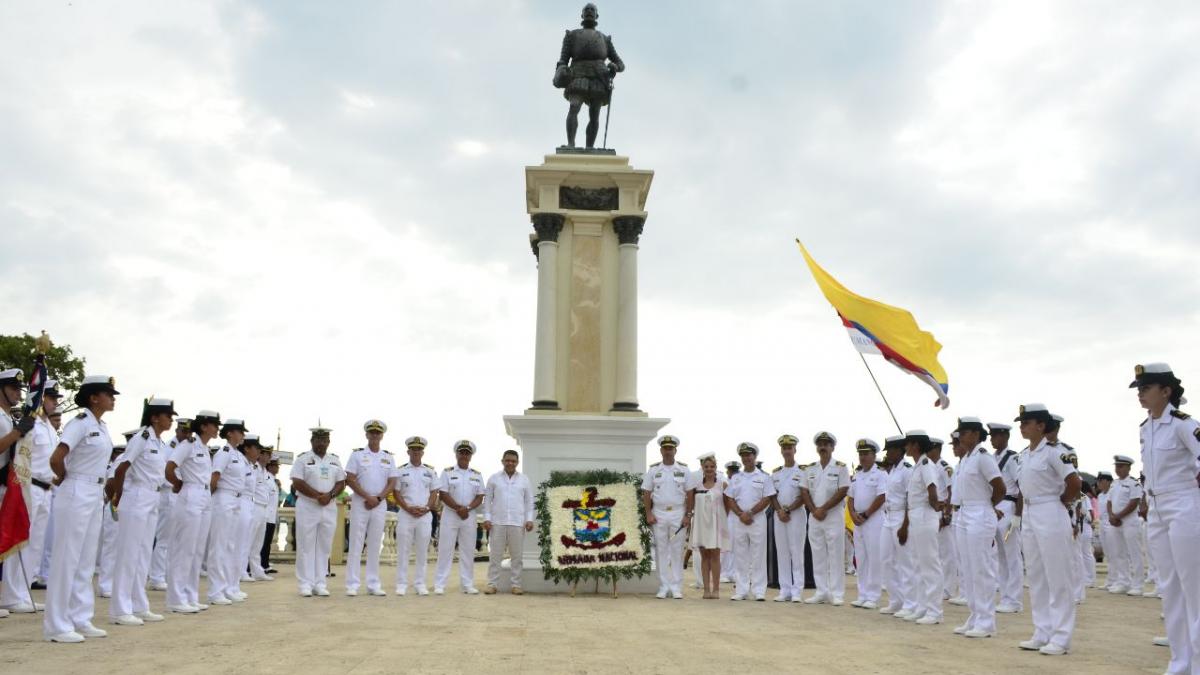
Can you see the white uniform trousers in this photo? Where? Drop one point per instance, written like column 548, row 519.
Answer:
column 162, row 537
column 1010, row 570
column 501, row 539
column 366, row 528
column 15, row 589
column 1046, row 540
column 1087, row 554
column 949, row 555
column 928, row 580
column 867, row 545
column 70, row 601
column 222, row 544
column 976, row 536
column 827, row 538
column 190, row 518
column 257, row 534
column 135, row 543
column 412, row 532
column 43, row 571
column 1174, row 536
column 668, row 547
column 455, row 531
column 750, row 556
column 1151, row 568
column 246, row 528
column 1127, row 553
column 789, row 553
column 896, row 562
column 314, row 539
column 107, row 559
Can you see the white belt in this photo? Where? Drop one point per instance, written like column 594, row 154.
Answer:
column 674, row 507
column 91, row 480
column 227, row 491
column 977, row 502
column 1171, row 489
column 149, row 487
column 1046, row 499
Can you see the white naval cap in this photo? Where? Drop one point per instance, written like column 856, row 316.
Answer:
column 464, row 444
column 1033, row 411
column 415, row 442
column 13, row 374
column 375, row 425
column 52, row 388
column 934, row 440
column 747, row 447
column 1123, row 459
column 707, row 455
column 916, row 434
column 893, row 442
column 824, row 436
column 866, row 445
column 1057, row 418
column 668, row 439
column 997, row 426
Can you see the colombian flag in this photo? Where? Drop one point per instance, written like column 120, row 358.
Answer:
column 891, row 332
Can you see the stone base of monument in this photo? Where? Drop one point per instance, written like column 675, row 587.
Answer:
column 564, row 442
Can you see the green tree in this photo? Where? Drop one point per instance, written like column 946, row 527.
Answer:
column 18, row 351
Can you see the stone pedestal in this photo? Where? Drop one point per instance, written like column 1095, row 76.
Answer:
column 588, row 214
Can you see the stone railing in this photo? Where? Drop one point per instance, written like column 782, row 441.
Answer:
column 285, row 537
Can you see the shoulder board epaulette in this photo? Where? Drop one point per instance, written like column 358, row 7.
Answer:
column 655, row 464
column 805, row 466
column 1180, row 414
column 387, row 452
column 406, row 465
column 943, row 462
column 1068, row 446
column 683, row 464
column 924, row 461
column 145, row 433
column 1066, row 459
column 476, row 472
column 225, row 449
column 81, row 416
column 1053, row 443
column 840, row 463
column 172, row 442
column 776, row 469
column 449, row 468
column 1144, row 422
column 907, row 465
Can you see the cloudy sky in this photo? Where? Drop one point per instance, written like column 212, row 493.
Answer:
column 298, row 210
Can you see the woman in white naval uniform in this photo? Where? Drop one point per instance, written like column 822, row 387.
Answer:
column 166, row 500
column 135, row 497
column 919, row 531
column 980, row 490
column 1171, row 464
column 189, row 468
column 894, row 559
column 227, row 481
column 264, row 492
column 247, row 512
column 78, row 464
column 1048, row 484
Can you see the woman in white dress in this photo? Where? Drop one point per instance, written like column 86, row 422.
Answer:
column 706, row 514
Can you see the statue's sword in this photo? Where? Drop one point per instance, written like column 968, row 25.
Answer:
column 606, row 114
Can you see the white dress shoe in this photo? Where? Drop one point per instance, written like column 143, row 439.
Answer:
column 200, row 606
column 1052, row 650
column 1118, row 589
column 183, row 609
column 661, row 594
column 760, row 598
column 380, row 592
column 421, row 590
column 678, row 595
column 351, row 592
column 321, row 591
column 915, row 616
column 220, row 601
column 1008, row 609
column 797, row 598
column 21, row 608
column 87, row 630
column 401, row 590
column 901, row 614
column 439, row 591
column 69, row 636
column 928, row 621
column 836, row 602
column 3, row 613
column 958, row 601
column 782, row 598
column 306, row 592
column 737, row 597
column 870, row 604
column 815, row 600
column 1032, row 645
column 960, row 630
column 976, row 633
column 858, row 602
column 158, row 587
column 1161, row 642
column 887, row 610
column 471, row 590
column 148, row 616
column 127, row 620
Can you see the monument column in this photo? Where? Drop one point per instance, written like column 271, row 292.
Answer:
column 547, row 225
column 628, row 229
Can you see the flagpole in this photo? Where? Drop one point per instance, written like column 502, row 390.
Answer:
column 885, row 401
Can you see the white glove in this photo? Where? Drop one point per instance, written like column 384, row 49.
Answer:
column 1013, row 526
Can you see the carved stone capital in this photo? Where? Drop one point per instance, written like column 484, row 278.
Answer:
column 628, row 228
column 548, row 225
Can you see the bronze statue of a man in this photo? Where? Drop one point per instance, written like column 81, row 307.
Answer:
column 586, row 68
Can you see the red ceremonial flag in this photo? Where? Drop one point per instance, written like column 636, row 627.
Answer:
column 14, row 510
